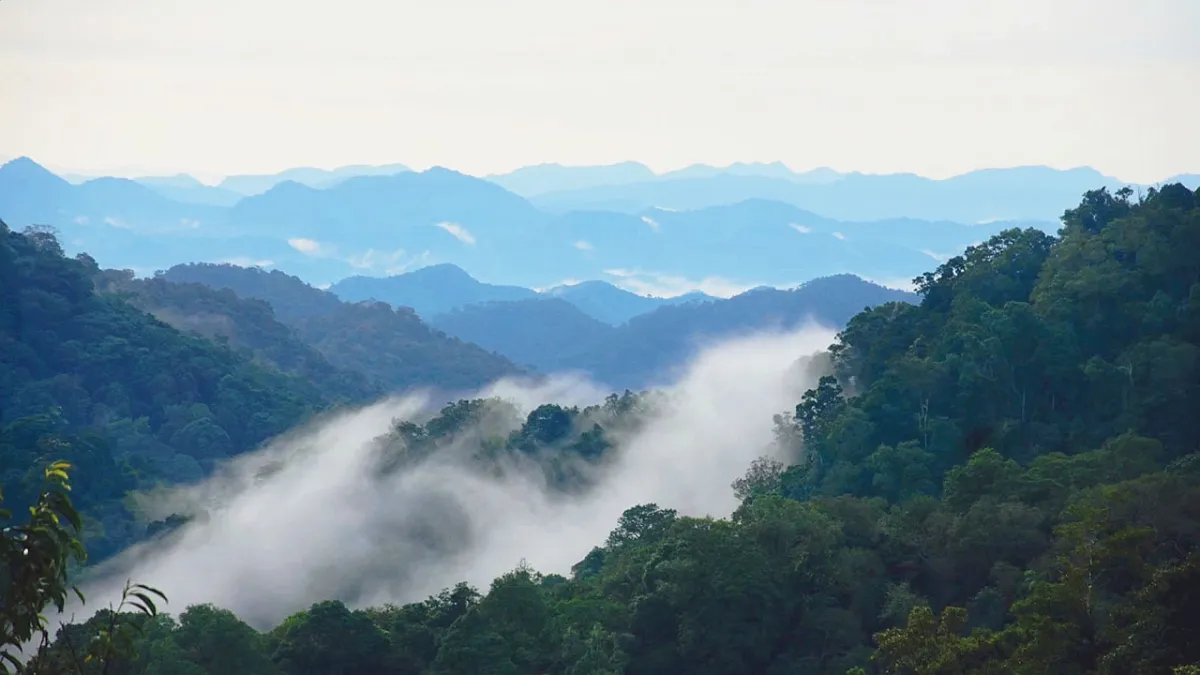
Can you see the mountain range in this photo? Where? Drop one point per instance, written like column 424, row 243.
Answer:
column 538, row 332
column 445, row 287
column 553, row 335
column 718, row 230
column 531, row 181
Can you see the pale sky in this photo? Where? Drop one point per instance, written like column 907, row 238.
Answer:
column 935, row 87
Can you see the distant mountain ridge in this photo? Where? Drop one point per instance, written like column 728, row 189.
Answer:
column 552, row 335
column 614, row 306
column 381, row 342
column 721, row 229
column 543, row 332
column 245, row 323
column 254, row 184
column 429, row 291
column 438, row 289
column 1032, row 192
column 531, row 181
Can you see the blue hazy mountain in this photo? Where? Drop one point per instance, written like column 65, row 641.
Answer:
column 430, row 290
column 765, row 170
column 551, row 335
column 377, row 226
column 189, row 190
column 255, row 184
column 542, row 178
column 533, row 333
column 383, row 225
column 612, row 305
column 546, row 178
column 29, row 194
column 442, row 288
column 1034, row 193
column 367, row 207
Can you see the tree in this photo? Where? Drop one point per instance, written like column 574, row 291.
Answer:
column 35, row 560
column 762, row 478
column 35, row 566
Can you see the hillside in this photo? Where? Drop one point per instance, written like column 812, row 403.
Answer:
column 650, row 347
column 605, row 302
column 391, row 345
column 290, row 299
column 536, row 332
column 429, row 291
column 245, row 324
column 131, row 390
column 399, row 349
column 442, row 288
column 552, row 335
column 1003, row 478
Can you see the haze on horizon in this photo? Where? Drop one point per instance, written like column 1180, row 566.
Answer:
column 935, row 87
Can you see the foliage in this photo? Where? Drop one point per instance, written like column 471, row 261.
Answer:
column 391, row 345
column 1002, row 479
column 248, row 325
column 127, row 398
column 35, row 561
column 567, row 445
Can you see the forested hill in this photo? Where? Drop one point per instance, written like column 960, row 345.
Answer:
column 393, row 345
column 144, row 402
column 290, row 298
column 246, row 324
column 1003, row 479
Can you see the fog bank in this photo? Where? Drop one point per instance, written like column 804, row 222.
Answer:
column 309, row 517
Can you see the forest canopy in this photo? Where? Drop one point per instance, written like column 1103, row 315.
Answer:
column 1002, row 479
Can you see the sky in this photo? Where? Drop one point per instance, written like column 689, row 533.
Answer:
column 934, row 87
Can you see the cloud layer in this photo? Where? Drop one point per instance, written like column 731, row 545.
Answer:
column 309, row 517
column 662, row 285
column 458, row 232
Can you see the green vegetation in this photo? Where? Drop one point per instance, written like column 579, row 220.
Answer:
column 129, row 400
column 1003, row 479
column 392, row 345
column 35, row 561
column 246, row 324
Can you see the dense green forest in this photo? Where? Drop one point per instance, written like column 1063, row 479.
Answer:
column 1004, row 478
column 246, row 324
column 135, row 401
column 391, row 344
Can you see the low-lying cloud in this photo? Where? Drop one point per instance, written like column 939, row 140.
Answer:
column 458, row 232
column 662, row 285
column 309, row 517
column 308, row 247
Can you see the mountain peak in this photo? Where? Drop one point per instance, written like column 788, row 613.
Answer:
column 32, row 181
column 442, row 272
column 24, row 166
